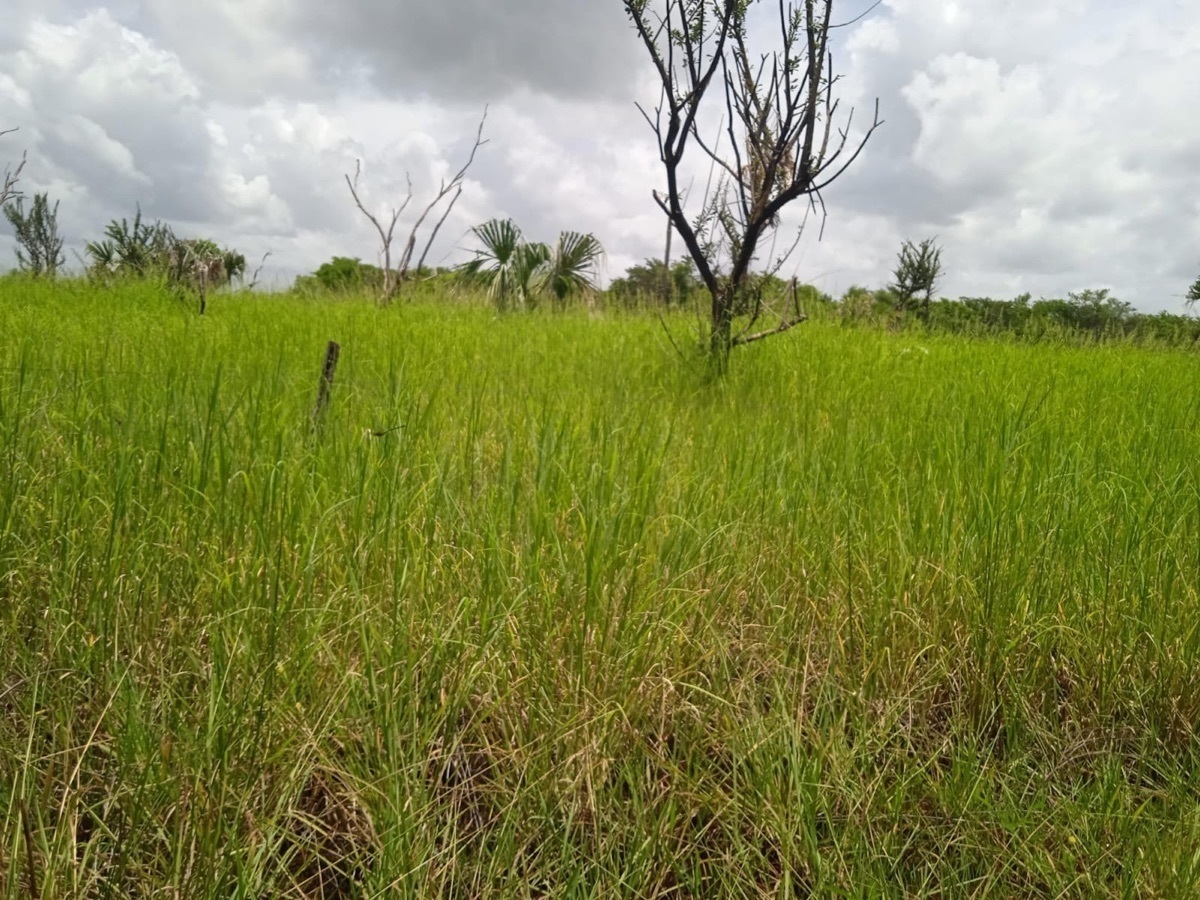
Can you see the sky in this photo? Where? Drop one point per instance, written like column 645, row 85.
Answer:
column 1048, row 146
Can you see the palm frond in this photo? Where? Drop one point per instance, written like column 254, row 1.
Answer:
column 574, row 264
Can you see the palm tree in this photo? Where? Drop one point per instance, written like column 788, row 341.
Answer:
column 513, row 269
column 222, row 265
column 572, row 267
column 131, row 249
column 506, row 264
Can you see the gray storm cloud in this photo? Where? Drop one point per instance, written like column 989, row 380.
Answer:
column 1049, row 148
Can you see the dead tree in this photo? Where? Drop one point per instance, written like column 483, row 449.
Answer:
column 452, row 189
column 778, row 142
column 8, row 188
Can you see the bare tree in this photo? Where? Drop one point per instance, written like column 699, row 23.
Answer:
column 778, row 142
column 8, row 188
column 451, row 189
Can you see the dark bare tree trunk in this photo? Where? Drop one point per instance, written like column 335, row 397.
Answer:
column 779, row 143
column 722, row 326
column 669, row 286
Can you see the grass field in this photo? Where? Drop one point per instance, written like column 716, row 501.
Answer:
column 876, row 615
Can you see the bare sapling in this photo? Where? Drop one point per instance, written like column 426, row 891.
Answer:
column 445, row 198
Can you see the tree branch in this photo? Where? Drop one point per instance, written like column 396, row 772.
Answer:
column 392, row 279
column 781, row 110
column 8, row 188
column 453, row 186
column 785, row 325
column 761, row 335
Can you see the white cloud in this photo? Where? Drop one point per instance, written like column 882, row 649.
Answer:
column 1046, row 146
column 1049, row 146
column 81, row 135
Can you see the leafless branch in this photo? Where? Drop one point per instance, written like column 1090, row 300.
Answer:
column 385, row 234
column 452, row 189
column 447, row 188
column 8, row 188
column 862, row 15
column 258, row 271
column 670, row 337
column 786, row 324
column 438, row 227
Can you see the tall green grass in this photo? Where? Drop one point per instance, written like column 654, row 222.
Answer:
column 539, row 610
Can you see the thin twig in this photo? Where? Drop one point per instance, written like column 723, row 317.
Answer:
column 670, row 337
column 785, row 325
column 254, row 278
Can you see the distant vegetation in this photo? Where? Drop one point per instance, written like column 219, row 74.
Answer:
column 350, row 276
column 1092, row 315
column 39, row 245
column 515, row 272
column 140, row 249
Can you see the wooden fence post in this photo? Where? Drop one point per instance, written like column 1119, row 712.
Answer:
column 325, row 386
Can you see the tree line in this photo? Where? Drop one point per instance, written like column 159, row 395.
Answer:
column 129, row 248
column 909, row 301
column 784, row 138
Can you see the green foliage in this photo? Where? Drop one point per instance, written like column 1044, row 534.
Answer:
column 188, row 253
column 39, row 245
column 343, row 274
column 1193, row 294
column 142, row 250
column 1089, row 310
column 351, row 276
column 651, row 282
column 814, row 302
column 879, row 615
column 861, row 304
column 1092, row 314
column 572, row 266
column 131, row 249
column 918, row 269
column 505, row 264
column 516, row 272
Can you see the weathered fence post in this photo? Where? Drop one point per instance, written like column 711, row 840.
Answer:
column 325, row 387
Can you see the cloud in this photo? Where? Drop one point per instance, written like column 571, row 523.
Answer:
column 109, row 110
column 470, row 51
column 474, row 50
column 1049, row 147
column 1046, row 146
column 243, row 51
